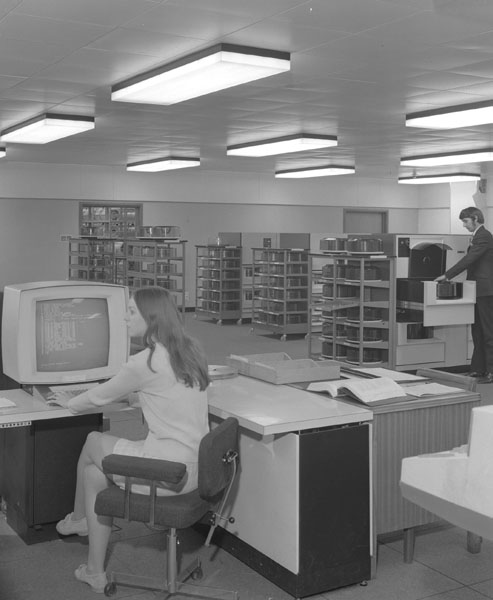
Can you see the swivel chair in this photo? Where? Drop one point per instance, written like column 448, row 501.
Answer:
column 218, row 458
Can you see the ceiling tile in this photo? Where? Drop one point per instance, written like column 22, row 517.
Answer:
column 68, row 34
column 357, row 67
column 109, row 13
column 197, row 23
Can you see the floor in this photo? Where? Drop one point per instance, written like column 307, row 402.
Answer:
column 442, row 568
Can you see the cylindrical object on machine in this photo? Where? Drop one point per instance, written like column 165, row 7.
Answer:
column 364, row 245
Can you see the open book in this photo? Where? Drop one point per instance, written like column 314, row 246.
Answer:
column 372, row 392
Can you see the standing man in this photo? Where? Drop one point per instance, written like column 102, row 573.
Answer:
column 479, row 264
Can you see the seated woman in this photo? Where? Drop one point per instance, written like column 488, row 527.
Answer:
column 171, row 377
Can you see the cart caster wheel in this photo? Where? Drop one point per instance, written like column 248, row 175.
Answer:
column 364, row 583
column 283, row 338
column 197, row 574
column 110, row 589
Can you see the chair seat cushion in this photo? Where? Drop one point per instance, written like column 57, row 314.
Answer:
column 178, row 511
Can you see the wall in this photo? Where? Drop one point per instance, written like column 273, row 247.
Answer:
column 440, row 205
column 39, row 203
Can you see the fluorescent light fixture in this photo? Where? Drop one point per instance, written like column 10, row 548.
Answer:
column 465, row 115
column 46, row 128
column 290, row 143
column 447, row 178
column 216, row 68
column 315, row 172
column 163, row 164
column 454, row 158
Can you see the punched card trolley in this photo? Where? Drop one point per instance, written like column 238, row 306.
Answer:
column 352, row 308
column 280, row 290
column 218, row 282
column 133, row 262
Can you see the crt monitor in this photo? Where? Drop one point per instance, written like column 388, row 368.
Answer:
column 60, row 332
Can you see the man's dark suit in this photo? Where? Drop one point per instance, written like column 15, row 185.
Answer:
column 479, row 265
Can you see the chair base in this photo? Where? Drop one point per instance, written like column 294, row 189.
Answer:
column 158, row 584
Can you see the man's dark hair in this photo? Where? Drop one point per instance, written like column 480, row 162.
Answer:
column 471, row 212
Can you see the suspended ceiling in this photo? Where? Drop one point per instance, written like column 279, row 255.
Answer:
column 357, row 68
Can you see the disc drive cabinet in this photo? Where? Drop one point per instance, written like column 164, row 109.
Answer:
column 218, row 282
column 425, row 323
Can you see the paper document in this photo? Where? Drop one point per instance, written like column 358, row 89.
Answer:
column 431, row 389
column 5, row 403
column 395, row 375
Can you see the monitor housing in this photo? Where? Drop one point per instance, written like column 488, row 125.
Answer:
column 62, row 332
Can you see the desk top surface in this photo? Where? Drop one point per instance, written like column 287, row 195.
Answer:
column 266, row 408
column 28, row 408
column 261, row 407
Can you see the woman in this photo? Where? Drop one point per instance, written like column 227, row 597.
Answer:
column 171, row 377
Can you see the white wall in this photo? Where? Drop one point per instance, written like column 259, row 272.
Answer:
column 39, row 203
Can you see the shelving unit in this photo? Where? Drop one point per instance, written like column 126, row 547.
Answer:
column 352, row 308
column 280, row 290
column 218, row 282
column 135, row 263
column 106, row 220
column 92, row 260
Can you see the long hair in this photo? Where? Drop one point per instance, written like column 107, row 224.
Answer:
column 164, row 325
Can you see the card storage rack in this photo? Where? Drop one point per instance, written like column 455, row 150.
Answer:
column 280, row 290
column 134, row 263
column 352, row 309
column 218, row 283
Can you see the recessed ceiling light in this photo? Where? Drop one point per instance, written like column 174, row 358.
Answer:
column 290, row 143
column 47, row 128
column 465, row 115
column 453, row 158
column 447, row 178
column 315, row 172
column 216, row 68
column 163, row 164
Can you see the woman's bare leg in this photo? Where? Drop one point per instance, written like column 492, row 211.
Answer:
column 99, row 527
column 97, row 446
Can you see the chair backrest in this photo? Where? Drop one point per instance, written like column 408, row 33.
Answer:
column 452, row 379
column 215, row 470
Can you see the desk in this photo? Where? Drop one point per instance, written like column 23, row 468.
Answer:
column 408, row 429
column 39, row 450
column 302, row 502
column 272, row 420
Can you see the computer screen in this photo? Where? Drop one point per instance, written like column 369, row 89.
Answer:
column 63, row 332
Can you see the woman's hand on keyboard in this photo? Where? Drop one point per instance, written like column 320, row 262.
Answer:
column 60, row 397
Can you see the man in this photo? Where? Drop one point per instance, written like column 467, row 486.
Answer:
column 479, row 264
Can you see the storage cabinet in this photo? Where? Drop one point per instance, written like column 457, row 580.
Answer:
column 135, row 263
column 280, row 290
column 218, row 282
column 352, row 308
column 105, row 220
